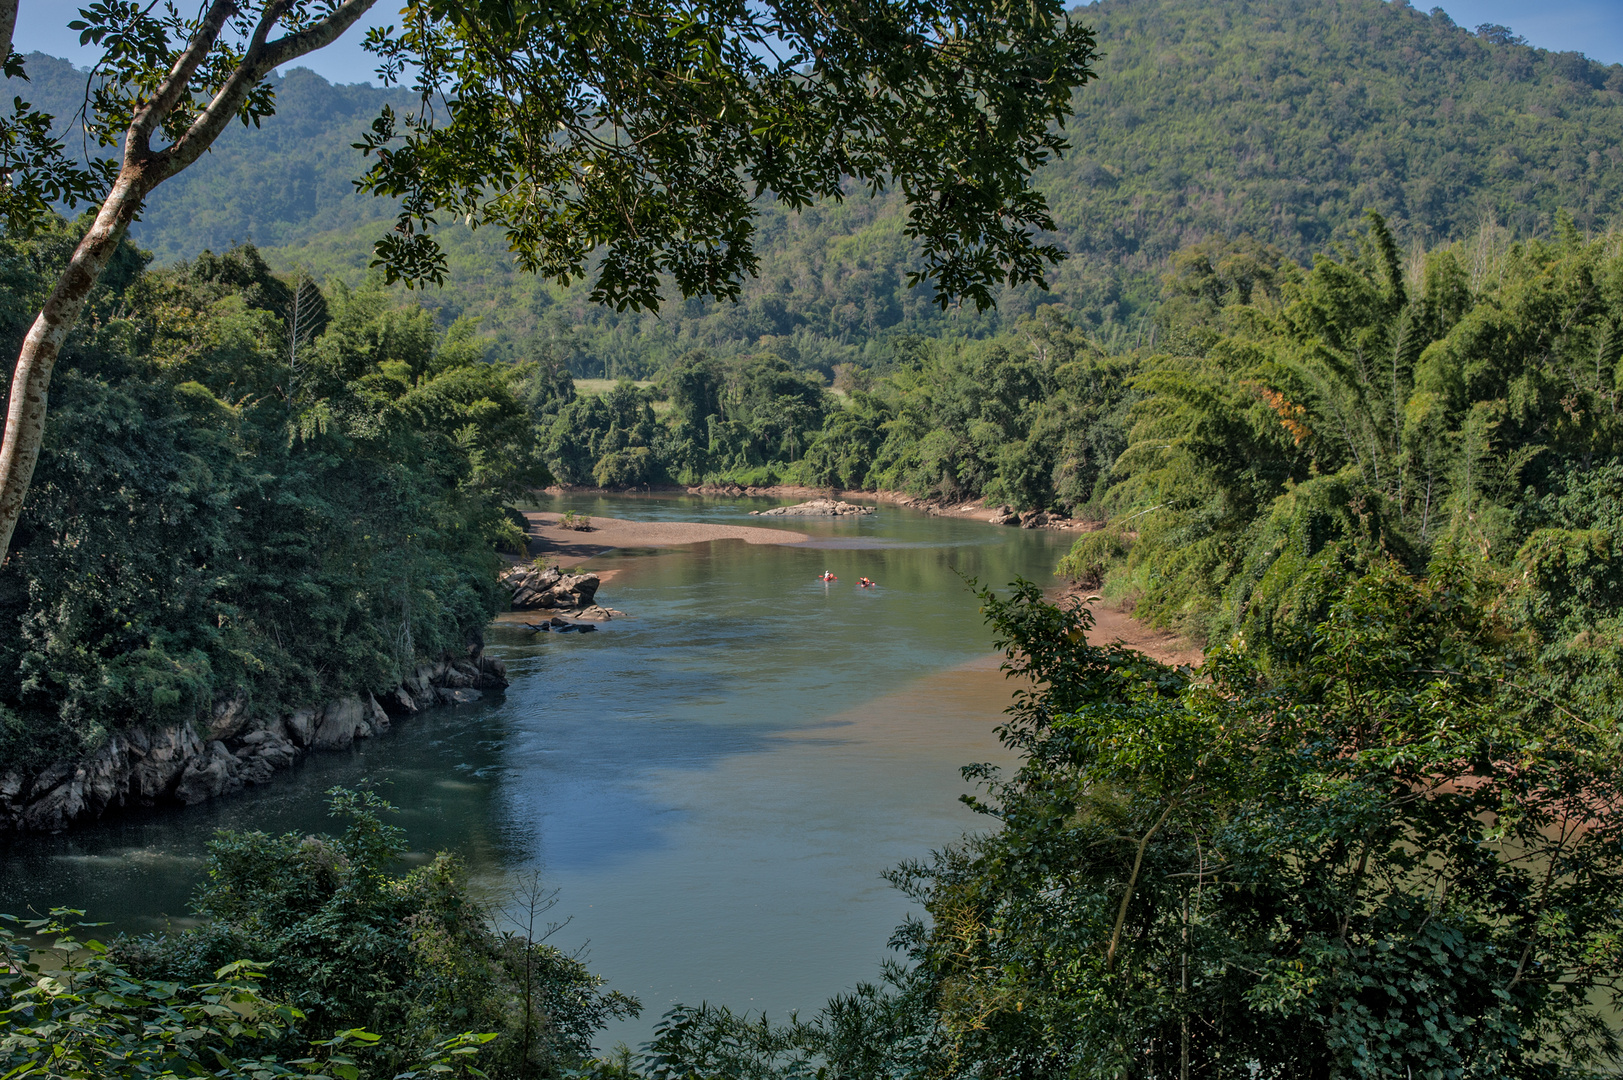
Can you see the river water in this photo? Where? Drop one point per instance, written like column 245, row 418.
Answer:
column 713, row 785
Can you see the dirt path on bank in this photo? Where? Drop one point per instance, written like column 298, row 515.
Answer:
column 1112, row 624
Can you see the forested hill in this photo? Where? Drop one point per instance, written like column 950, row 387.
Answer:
column 1286, row 119
column 1281, row 119
column 281, row 184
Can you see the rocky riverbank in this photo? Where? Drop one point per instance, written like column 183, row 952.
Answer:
column 187, row 763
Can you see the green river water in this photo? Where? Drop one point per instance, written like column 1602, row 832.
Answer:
column 713, row 785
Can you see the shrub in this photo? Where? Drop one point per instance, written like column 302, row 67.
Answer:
column 70, row 1011
column 413, row 958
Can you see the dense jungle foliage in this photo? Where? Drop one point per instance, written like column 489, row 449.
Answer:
column 222, row 507
column 1377, row 406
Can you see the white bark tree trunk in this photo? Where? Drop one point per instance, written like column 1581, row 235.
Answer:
column 143, row 169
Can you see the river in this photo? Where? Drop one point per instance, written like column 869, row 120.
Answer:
column 713, row 785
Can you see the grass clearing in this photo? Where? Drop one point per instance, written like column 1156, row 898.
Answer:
column 599, row 387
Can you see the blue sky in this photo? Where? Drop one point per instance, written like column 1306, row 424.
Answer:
column 1594, row 27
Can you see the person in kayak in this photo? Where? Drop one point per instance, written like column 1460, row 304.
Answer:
column 828, row 577
column 865, row 583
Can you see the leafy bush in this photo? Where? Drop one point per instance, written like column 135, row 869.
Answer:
column 72, row 1013
column 635, row 466
column 1091, row 555
column 413, row 959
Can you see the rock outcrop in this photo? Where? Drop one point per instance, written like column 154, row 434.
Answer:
column 188, row 762
column 535, row 588
column 1034, row 519
column 815, row 508
column 730, row 489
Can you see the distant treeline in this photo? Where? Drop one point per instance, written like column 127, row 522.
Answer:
column 1032, row 417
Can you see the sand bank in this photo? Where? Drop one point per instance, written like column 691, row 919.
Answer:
column 973, row 510
column 568, row 547
column 1112, row 624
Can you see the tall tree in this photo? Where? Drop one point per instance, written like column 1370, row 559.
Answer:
column 633, row 144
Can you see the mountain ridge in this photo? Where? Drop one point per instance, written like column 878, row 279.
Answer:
column 1278, row 119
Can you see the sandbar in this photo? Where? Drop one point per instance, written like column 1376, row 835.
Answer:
column 567, row 547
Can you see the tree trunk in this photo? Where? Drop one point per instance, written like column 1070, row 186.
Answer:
column 143, row 170
column 31, row 378
column 8, row 27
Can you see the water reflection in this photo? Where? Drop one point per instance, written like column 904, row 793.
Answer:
column 714, row 784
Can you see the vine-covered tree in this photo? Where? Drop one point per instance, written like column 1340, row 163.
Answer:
column 631, row 144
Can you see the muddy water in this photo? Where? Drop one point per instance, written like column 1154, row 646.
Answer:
column 714, row 785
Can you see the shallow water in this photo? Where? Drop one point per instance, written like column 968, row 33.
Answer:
column 713, row 785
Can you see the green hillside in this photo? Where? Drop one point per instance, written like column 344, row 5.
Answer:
column 1281, row 119
column 280, row 184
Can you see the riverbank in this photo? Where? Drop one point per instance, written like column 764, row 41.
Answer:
column 189, row 762
column 567, row 548
column 972, row 510
column 1111, row 624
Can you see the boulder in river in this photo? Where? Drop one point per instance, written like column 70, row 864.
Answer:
column 547, row 587
column 209, row 774
column 341, row 723
column 815, row 508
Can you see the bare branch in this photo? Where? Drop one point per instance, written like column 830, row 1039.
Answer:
column 260, row 60
column 1132, row 886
